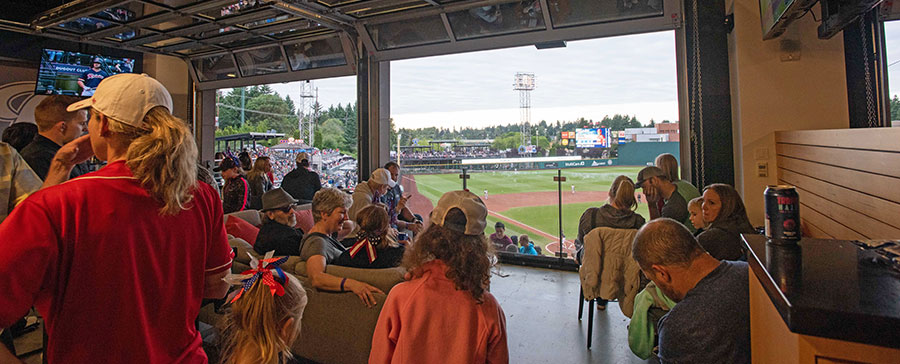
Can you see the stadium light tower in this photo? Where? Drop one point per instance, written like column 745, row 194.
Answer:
column 525, row 84
column 306, row 123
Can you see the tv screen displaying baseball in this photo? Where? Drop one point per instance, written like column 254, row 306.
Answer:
column 77, row 74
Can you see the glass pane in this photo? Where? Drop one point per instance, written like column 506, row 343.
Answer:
column 218, row 67
column 506, row 18
column 166, row 42
column 196, row 50
column 246, row 42
column 413, row 32
column 402, row 6
column 261, row 61
column 174, row 23
column 578, row 12
column 236, row 7
column 85, row 25
column 268, row 21
column 316, row 54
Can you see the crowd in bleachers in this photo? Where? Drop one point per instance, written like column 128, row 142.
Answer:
column 472, row 153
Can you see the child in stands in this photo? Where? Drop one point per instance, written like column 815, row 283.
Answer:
column 374, row 247
column 527, row 245
column 264, row 319
column 696, row 211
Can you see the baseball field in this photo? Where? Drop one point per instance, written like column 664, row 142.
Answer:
column 526, row 201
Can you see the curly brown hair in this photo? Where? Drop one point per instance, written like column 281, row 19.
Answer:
column 468, row 258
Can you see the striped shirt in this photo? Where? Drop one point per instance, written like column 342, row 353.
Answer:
column 17, row 180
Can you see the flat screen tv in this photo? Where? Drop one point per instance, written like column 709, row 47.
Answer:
column 77, row 74
column 838, row 14
column 775, row 15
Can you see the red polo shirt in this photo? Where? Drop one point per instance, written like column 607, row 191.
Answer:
column 115, row 281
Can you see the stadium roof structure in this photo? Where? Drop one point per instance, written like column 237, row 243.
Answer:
column 290, row 146
column 249, row 137
column 234, row 43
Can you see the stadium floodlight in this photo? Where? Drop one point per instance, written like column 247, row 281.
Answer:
column 524, row 83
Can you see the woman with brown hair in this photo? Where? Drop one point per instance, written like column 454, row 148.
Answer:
column 450, row 271
column 374, row 247
column 617, row 213
column 258, row 179
column 724, row 211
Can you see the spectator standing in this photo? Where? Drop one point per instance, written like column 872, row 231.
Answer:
column 17, row 180
column 319, row 249
column 18, row 135
column 711, row 321
column 302, row 183
column 450, row 270
column 655, row 182
column 499, row 238
column 724, row 210
column 259, row 182
column 236, row 192
column 56, row 127
column 246, row 161
column 277, row 233
column 80, row 251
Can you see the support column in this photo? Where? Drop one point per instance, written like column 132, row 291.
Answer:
column 868, row 103
column 709, row 94
column 205, row 126
column 374, row 113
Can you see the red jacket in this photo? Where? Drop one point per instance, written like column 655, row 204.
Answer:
column 427, row 320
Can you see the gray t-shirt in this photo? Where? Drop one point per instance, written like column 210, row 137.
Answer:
column 320, row 244
column 712, row 323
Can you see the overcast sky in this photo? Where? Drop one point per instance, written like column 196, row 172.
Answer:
column 630, row 75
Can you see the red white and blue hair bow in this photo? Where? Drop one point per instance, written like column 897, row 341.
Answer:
column 266, row 270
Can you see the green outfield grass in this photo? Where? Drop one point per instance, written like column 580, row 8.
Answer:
column 433, row 186
column 544, row 218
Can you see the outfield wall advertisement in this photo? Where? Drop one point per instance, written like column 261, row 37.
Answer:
column 578, row 164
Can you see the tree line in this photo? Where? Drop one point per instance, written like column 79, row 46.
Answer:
column 336, row 127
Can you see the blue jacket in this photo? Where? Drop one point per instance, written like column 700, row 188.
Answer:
column 528, row 250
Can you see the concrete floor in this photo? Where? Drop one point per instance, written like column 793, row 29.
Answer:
column 541, row 307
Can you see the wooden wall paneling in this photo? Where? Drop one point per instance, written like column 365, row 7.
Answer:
column 871, row 228
column 876, row 208
column 878, row 162
column 877, row 185
column 884, row 139
column 826, row 224
column 814, row 231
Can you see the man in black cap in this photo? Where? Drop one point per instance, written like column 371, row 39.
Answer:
column 278, row 232
column 654, row 182
column 236, row 192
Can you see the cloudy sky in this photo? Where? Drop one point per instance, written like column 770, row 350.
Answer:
column 629, row 75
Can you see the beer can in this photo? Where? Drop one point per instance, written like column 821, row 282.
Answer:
column 782, row 213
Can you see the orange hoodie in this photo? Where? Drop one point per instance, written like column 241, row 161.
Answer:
column 427, row 320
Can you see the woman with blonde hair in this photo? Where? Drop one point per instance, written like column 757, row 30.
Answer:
column 264, row 320
column 617, row 213
column 139, row 243
column 258, row 179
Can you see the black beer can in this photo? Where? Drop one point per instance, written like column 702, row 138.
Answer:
column 782, row 213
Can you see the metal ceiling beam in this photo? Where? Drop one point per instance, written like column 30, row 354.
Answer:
column 230, row 37
column 209, row 25
column 321, row 15
column 149, row 20
column 429, row 11
column 71, row 11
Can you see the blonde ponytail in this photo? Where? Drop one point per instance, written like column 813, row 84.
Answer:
column 621, row 193
column 163, row 157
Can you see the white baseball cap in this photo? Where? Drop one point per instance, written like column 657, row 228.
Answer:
column 472, row 208
column 127, row 97
column 383, row 177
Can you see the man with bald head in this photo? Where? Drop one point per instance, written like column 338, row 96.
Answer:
column 711, row 322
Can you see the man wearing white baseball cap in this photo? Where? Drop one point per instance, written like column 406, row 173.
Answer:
column 370, row 192
column 135, row 246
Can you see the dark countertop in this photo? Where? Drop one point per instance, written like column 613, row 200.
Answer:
column 830, row 288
